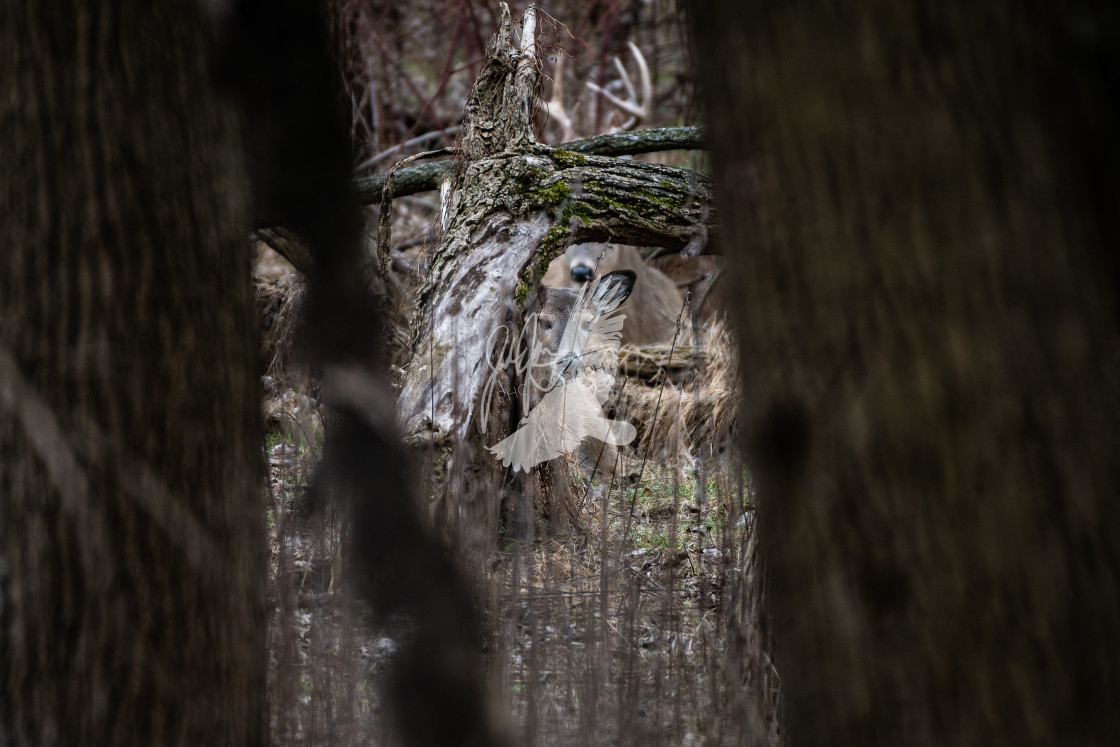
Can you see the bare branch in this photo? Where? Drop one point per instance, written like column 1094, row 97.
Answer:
column 529, row 31
column 426, row 177
column 640, row 141
column 288, row 245
column 418, row 140
column 555, row 105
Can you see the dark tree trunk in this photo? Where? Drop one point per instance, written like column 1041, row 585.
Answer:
column 131, row 535
column 926, row 224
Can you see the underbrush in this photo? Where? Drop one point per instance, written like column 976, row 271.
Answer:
column 631, row 616
column 627, row 629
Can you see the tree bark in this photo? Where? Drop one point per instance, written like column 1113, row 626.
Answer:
column 131, row 535
column 514, row 206
column 927, row 201
column 426, row 177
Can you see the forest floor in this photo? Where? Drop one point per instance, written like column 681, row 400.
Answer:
column 627, row 622
column 613, row 633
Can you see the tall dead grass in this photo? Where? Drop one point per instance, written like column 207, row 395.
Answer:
column 629, row 613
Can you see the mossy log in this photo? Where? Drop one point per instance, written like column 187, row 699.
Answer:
column 426, row 177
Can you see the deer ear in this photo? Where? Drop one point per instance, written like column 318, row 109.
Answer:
column 616, row 286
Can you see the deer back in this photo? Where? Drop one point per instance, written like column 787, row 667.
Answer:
column 711, row 292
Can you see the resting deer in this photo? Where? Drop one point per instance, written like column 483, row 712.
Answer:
column 572, row 367
column 711, row 293
column 654, row 305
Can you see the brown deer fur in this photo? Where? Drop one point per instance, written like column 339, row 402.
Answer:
column 554, row 308
column 655, row 304
column 710, row 291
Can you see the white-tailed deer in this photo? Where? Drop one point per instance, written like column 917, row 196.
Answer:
column 573, row 363
column 654, row 305
column 702, row 275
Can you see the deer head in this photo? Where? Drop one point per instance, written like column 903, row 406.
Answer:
column 584, row 260
column 577, row 334
column 655, row 304
column 567, row 329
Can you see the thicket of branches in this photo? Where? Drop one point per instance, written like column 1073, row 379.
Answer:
column 407, row 70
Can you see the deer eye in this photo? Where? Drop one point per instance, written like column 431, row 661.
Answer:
column 546, row 325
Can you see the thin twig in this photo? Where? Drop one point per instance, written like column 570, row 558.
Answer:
column 384, row 217
column 454, row 129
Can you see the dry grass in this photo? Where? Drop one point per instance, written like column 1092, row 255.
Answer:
column 688, row 405
column 630, row 617
column 617, row 634
column 626, row 609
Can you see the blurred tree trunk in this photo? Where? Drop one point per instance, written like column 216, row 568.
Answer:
column 131, row 543
column 928, row 203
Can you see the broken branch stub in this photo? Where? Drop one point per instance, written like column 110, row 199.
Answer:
column 515, row 204
column 498, row 116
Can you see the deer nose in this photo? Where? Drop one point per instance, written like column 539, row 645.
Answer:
column 581, row 273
